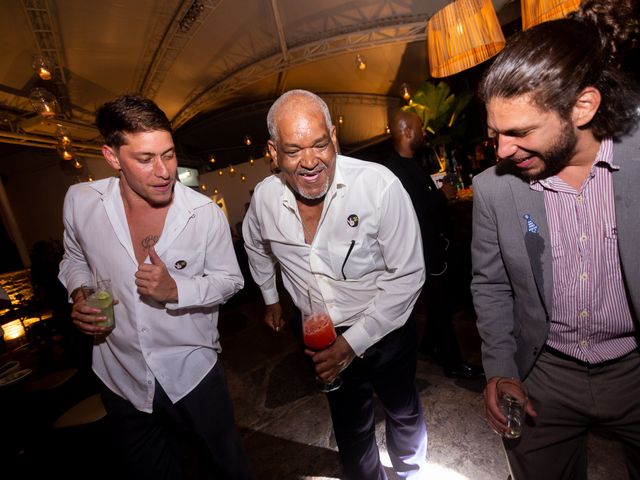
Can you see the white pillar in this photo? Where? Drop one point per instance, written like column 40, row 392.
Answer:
column 12, row 227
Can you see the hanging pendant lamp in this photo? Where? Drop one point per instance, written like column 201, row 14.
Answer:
column 538, row 11
column 462, row 35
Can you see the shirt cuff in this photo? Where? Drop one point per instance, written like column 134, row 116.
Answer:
column 270, row 295
column 186, row 294
column 358, row 339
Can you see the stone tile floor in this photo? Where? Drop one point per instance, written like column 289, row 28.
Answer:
column 286, row 425
column 285, row 421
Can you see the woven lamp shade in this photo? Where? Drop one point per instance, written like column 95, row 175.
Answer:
column 538, row 11
column 462, row 35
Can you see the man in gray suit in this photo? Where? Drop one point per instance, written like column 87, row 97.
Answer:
column 556, row 273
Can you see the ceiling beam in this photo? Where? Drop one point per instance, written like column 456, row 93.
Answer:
column 82, row 149
column 280, row 30
column 388, row 31
column 174, row 40
column 46, row 33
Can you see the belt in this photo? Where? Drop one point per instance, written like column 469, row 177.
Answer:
column 582, row 363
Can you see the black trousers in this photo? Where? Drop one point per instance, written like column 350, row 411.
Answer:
column 152, row 443
column 387, row 369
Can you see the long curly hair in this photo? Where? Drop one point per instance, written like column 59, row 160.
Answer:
column 554, row 61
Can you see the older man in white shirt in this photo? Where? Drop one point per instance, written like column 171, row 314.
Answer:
column 344, row 230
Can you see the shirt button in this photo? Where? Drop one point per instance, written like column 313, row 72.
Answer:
column 579, row 198
column 149, row 382
column 584, row 276
column 584, row 343
column 583, row 237
column 584, row 313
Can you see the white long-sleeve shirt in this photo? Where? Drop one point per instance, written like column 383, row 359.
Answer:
column 365, row 204
column 176, row 343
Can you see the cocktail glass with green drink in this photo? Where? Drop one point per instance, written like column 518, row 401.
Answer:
column 100, row 296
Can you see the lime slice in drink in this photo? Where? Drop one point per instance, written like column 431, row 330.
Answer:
column 103, row 299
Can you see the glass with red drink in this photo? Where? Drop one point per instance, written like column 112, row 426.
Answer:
column 318, row 333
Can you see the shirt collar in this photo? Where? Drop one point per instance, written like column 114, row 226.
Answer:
column 109, row 188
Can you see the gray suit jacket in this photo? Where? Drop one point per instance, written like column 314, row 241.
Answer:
column 512, row 281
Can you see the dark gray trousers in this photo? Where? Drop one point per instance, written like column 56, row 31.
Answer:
column 572, row 399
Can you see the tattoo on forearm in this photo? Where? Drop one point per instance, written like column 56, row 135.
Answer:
column 149, row 241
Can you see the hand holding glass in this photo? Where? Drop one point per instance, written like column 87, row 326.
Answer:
column 100, row 296
column 512, row 399
column 318, row 333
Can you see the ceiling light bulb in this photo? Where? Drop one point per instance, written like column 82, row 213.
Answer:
column 77, row 165
column 42, row 67
column 361, row 63
column 247, row 140
column 387, row 130
column 43, row 102
column 220, row 173
column 406, row 94
column 212, row 159
column 203, row 187
column 90, row 178
column 340, row 119
column 216, row 191
column 243, row 177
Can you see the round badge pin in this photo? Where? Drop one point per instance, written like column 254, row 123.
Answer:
column 180, row 264
column 353, row 220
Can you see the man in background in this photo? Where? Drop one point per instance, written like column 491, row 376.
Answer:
column 430, row 204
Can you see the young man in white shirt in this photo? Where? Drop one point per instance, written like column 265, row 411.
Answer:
column 168, row 253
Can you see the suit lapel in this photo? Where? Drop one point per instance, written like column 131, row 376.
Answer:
column 535, row 230
column 627, row 201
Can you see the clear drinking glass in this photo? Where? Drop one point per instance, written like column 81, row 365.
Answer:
column 319, row 333
column 100, row 296
column 512, row 399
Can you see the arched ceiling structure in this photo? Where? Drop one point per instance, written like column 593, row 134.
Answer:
column 214, row 66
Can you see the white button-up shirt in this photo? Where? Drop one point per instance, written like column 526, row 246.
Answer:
column 365, row 261
column 176, row 343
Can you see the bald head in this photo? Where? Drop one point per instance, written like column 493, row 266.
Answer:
column 296, row 101
column 407, row 133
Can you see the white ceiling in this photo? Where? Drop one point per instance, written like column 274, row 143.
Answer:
column 216, row 80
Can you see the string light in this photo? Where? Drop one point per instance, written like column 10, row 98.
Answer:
column 243, row 177
column 64, row 140
column 247, row 140
column 42, row 67
column 220, row 172
column 212, row 159
column 406, row 94
column 361, row 63
column 43, row 102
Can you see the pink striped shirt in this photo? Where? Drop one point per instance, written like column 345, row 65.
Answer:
column 590, row 320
